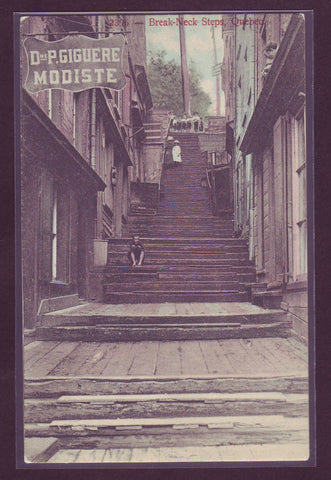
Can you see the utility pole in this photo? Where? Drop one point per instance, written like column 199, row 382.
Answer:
column 185, row 76
column 216, row 73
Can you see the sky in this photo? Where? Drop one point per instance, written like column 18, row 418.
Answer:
column 199, row 46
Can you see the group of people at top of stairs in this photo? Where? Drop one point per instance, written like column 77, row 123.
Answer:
column 185, row 123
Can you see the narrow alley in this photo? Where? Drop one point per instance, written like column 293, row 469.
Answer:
column 164, row 253
column 176, row 345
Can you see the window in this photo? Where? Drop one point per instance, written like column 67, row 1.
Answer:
column 299, row 197
column 302, row 191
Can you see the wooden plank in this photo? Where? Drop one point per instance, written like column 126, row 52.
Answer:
column 118, row 455
column 153, row 454
column 96, row 364
column 266, row 348
column 283, row 350
column 90, row 456
column 120, row 360
column 182, row 397
column 166, row 309
column 215, row 361
column 38, row 449
column 236, row 453
column 139, row 455
column 190, row 454
column 200, row 308
column 97, row 385
column 167, row 437
column 261, row 421
column 237, row 356
column 144, row 362
column 37, row 350
column 280, row 452
column 51, row 360
column 300, row 348
column 225, row 360
column 168, row 359
column 192, row 359
column 259, row 356
column 184, row 309
column 141, row 406
column 65, row 456
column 72, row 363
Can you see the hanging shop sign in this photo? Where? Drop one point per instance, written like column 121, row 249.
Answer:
column 75, row 63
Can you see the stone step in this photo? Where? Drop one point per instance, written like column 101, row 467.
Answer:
column 176, row 277
column 185, row 219
column 162, row 405
column 189, row 318
column 152, row 332
column 171, row 286
column 122, row 277
column 168, row 230
column 178, row 234
column 196, row 261
column 182, row 296
column 171, row 224
column 182, row 269
column 248, row 277
column 180, row 255
column 48, row 387
column 210, row 241
column 219, row 249
column 184, row 250
column 156, row 432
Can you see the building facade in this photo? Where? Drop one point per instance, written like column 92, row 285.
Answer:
column 264, row 80
column 81, row 152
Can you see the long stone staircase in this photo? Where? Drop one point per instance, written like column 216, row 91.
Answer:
column 193, row 265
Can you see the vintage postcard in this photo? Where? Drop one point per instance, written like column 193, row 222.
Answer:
column 164, row 216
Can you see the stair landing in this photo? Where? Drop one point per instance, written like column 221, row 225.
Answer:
column 255, row 357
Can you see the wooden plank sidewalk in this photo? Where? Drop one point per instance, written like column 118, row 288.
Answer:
column 161, row 309
column 258, row 356
column 225, row 453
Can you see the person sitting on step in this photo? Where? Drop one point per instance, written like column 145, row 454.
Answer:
column 137, row 252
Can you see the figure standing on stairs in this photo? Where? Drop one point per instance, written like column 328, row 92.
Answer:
column 176, row 153
column 137, row 252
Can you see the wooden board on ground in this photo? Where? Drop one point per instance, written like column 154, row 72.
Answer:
column 238, row 357
column 215, row 360
column 192, row 359
column 144, row 362
column 37, row 350
column 168, row 359
column 53, row 358
column 121, row 359
column 223, row 453
column 75, row 359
